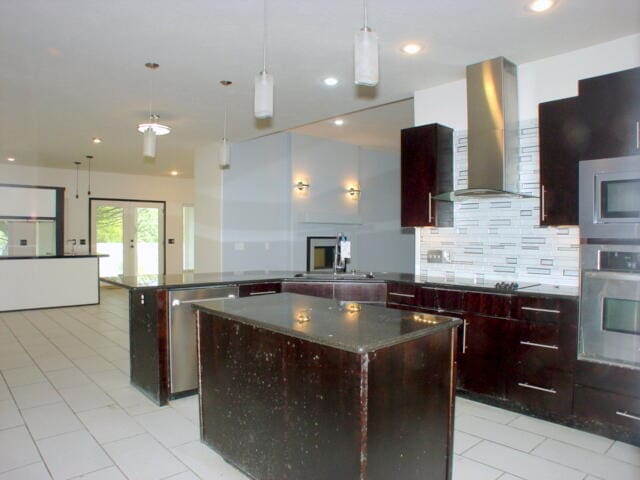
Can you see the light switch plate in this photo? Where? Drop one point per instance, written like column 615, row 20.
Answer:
column 438, row 256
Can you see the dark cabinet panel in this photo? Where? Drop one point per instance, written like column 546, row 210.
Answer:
column 606, row 410
column 481, row 368
column 149, row 344
column 610, row 107
column 487, row 304
column 624, row 381
column 254, row 289
column 361, row 292
column 426, row 170
column 562, row 136
column 315, row 289
column 540, row 389
column 402, row 294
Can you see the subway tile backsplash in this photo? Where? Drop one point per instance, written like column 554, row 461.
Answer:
column 500, row 239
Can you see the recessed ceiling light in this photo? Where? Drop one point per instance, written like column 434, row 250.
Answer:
column 411, row 48
column 338, row 121
column 173, row 173
column 330, row 81
column 96, row 140
column 11, row 159
column 539, row 6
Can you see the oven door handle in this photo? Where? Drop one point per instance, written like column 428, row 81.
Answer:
column 607, row 275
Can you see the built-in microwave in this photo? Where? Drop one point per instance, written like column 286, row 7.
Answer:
column 610, row 198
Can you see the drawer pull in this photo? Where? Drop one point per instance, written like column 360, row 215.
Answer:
column 544, row 310
column 262, row 293
column 408, row 295
column 628, row 415
column 539, row 345
column 533, row 387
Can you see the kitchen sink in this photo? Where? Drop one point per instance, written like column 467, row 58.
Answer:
column 334, row 276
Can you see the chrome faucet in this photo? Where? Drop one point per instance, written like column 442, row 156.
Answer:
column 339, row 262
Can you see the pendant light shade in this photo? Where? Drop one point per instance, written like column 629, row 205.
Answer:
column 224, row 154
column 149, row 143
column 366, row 57
column 365, row 53
column 263, row 98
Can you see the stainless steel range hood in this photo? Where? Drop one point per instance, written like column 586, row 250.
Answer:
column 493, row 140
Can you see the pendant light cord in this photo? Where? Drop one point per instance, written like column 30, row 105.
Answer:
column 365, row 17
column 264, row 36
column 77, row 167
column 89, row 182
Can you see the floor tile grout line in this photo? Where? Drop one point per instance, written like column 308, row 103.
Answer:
column 531, row 454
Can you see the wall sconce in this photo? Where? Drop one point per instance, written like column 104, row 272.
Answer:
column 354, row 192
column 301, row 186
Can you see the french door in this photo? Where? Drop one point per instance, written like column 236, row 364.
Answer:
column 131, row 233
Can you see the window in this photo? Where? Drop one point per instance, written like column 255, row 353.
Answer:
column 188, row 237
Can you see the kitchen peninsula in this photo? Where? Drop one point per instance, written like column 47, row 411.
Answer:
column 294, row 386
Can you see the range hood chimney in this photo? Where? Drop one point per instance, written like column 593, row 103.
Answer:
column 493, row 140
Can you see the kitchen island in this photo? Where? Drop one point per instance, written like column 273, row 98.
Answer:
column 293, row 386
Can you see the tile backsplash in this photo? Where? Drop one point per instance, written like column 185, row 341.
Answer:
column 499, row 239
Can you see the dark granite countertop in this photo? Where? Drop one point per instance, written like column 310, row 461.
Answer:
column 349, row 326
column 202, row 279
column 44, row 257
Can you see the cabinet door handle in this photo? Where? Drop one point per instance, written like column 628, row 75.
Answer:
column 638, row 135
column 464, row 336
column 262, row 293
column 539, row 345
column 544, row 310
column 533, row 387
column 628, row 415
column 429, row 202
column 407, row 295
column 542, row 209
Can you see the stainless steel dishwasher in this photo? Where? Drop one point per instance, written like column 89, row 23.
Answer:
column 183, row 361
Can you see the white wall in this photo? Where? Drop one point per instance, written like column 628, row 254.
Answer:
column 266, row 220
column 540, row 81
column 175, row 191
column 257, row 206
column 208, row 204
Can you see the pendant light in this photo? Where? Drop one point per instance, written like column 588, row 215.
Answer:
column 263, row 83
column 153, row 128
column 224, row 143
column 77, row 164
column 365, row 49
column 89, row 157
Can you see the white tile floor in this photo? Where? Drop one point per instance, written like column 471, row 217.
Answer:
column 67, row 411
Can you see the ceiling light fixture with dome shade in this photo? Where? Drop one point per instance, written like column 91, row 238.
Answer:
column 153, row 128
column 365, row 49
column 263, row 83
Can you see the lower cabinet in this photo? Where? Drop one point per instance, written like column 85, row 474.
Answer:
column 315, row 289
column 608, row 408
column 255, row 289
column 480, row 355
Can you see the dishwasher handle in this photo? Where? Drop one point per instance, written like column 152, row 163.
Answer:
column 177, row 302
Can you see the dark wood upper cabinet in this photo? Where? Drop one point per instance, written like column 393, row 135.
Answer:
column 561, row 137
column 426, row 170
column 610, row 107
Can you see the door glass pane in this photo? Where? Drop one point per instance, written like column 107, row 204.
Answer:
column 110, row 239
column 147, row 239
column 621, row 315
column 188, row 237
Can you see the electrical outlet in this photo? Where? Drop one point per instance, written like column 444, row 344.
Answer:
column 438, row 256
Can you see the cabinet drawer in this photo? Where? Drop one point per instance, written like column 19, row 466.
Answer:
column 450, row 300
column 544, row 310
column 607, row 407
column 541, row 389
column 401, row 293
column 487, row 304
column 253, row 289
column 361, row 292
column 428, row 298
column 315, row 289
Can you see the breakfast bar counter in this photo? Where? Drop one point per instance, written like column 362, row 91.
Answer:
column 294, row 386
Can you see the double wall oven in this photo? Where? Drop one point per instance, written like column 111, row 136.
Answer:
column 610, row 261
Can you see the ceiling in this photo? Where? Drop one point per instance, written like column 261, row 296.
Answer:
column 377, row 128
column 74, row 69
